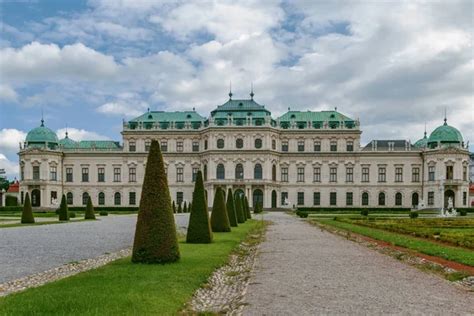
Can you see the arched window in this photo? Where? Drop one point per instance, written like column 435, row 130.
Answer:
column 398, row 199
column 101, row 198
column 258, row 143
column 365, row 198
column 220, row 172
column 69, row 198
column 381, row 199
column 205, row 172
column 239, row 143
column 414, row 199
column 117, row 198
column 220, row 143
column 257, row 171
column 85, row 197
column 274, row 173
column 239, row 171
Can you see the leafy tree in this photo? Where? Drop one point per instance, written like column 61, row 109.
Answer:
column 27, row 214
column 63, row 210
column 219, row 218
column 238, row 209
column 199, row 228
column 230, row 205
column 247, row 208
column 155, row 235
column 89, row 214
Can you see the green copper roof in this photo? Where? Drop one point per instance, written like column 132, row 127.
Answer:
column 422, row 143
column 176, row 116
column 306, row 116
column 66, row 142
column 240, row 105
column 41, row 134
column 445, row 134
column 98, row 144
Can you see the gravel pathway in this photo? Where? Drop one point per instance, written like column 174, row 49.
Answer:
column 302, row 270
column 33, row 249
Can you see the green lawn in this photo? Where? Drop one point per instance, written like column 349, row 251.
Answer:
column 123, row 288
column 458, row 254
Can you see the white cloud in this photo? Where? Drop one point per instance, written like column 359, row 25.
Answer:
column 80, row 134
column 11, row 168
column 126, row 104
column 7, row 93
column 10, row 139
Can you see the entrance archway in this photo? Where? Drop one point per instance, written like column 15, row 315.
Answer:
column 257, row 197
column 274, row 199
column 36, row 198
column 414, row 199
column 449, row 194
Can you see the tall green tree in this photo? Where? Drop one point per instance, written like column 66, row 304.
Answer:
column 238, row 209
column 219, row 218
column 230, row 205
column 89, row 214
column 155, row 234
column 63, row 210
column 27, row 214
column 247, row 208
column 199, row 228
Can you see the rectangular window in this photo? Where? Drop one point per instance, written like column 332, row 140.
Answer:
column 398, row 174
column 317, row 145
column 54, row 196
column 365, row 174
column 274, row 144
column 148, row 144
column 317, row 198
column 179, row 146
column 349, row 174
column 431, row 173
column 333, row 174
column 349, row 198
column 431, row 198
column 85, row 174
column 301, row 145
column 132, row 146
column 195, row 171
column 53, row 173
column 300, row 198
column 350, row 146
column 464, row 198
column 333, row 145
column 132, row 174
column 195, row 146
column 164, row 145
column 332, row 198
column 284, row 146
column 284, row 198
column 415, row 174
column 100, row 174
column 117, row 176
column 284, row 174
column 300, row 174
column 382, row 174
column 22, row 174
column 179, row 198
column 132, row 198
column 179, row 174
column 449, row 172
column 317, row 174
column 36, row 172
column 205, row 144
column 464, row 173
column 69, row 175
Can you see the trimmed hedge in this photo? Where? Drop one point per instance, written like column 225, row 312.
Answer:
column 11, row 209
column 247, row 208
column 219, row 218
column 63, row 210
column 199, row 228
column 11, row 200
column 89, row 214
column 353, row 209
column 239, row 210
column 27, row 214
column 231, row 209
column 105, row 208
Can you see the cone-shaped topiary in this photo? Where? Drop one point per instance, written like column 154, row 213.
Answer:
column 238, row 209
column 247, row 208
column 257, row 209
column 185, row 208
column 27, row 214
column 189, row 207
column 230, row 205
column 219, row 218
column 89, row 214
column 199, row 228
column 243, row 207
column 155, row 235
column 180, row 209
column 174, row 207
column 63, row 210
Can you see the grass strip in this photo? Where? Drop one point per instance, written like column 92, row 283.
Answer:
column 457, row 254
column 123, row 288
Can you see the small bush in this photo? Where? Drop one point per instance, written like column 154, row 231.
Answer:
column 11, row 200
column 413, row 214
column 72, row 214
column 103, row 213
column 364, row 212
column 89, row 214
column 302, row 214
column 27, row 214
column 63, row 210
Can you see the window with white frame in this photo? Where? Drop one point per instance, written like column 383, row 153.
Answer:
column 365, row 174
column 284, row 174
column 317, row 145
column 317, row 174
column 431, row 173
column 148, row 144
column 300, row 174
column 301, row 145
column 179, row 146
column 333, row 145
column 415, row 174
column 85, row 174
column 132, row 174
column 53, row 173
column 117, row 174
column 179, row 174
column 349, row 174
column 333, row 174
column 398, row 174
column 100, row 174
column 382, row 174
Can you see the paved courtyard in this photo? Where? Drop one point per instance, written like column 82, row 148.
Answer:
column 302, row 270
column 32, row 249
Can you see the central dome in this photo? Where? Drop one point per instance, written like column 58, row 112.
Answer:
column 445, row 134
column 40, row 136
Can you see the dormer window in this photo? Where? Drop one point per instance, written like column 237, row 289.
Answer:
column 150, row 116
column 293, row 116
column 240, row 104
column 188, row 116
column 332, row 116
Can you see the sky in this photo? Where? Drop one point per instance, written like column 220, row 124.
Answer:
column 88, row 65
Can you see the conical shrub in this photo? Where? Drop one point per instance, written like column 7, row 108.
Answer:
column 219, row 218
column 89, row 214
column 185, row 207
column 230, row 206
column 189, row 207
column 199, row 228
column 155, row 234
column 243, row 207
column 174, row 207
column 247, row 208
column 180, row 209
column 63, row 210
column 27, row 214
column 257, row 209
column 238, row 209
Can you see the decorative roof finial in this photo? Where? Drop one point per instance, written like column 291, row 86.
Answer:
column 425, row 129
column 66, row 132
column 42, row 119
column 148, row 110
column 251, row 91
column 230, row 90
column 335, row 108
column 445, row 118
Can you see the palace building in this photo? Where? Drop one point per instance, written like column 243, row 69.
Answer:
column 302, row 158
